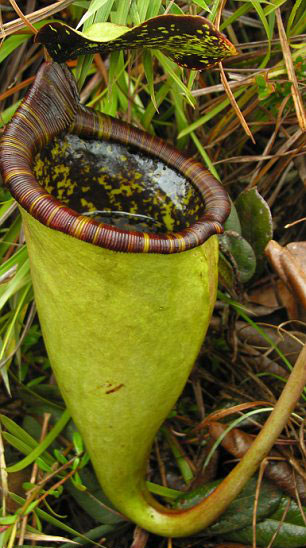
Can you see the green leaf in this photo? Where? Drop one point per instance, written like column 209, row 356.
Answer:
column 257, row 6
column 256, row 222
column 19, row 280
column 264, row 88
column 240, row 512
column 16, row 40
column 18, row 432
column 7, row 114
column 176, row 10
column 171, row 70
column 11, row 234
column 17, row 443
column 162, row 491
column 93, row 501
column 239, row 251
column 203, row 153
column 191, row 41
column 292, row 15
column 78, row 442
column 150, row 109
column 81, row 4
column 287, row 523
column 227, row 277
column 148, row 69
column 202, row 4
column 232, row 222
column 96, row 533
column 94, row 6
column 43, row 445
column 209, row 115
column 293, row 512
column 56, row 522
column 11, row 43
column 153, row 8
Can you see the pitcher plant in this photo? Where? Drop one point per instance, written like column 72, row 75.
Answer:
column 121, row 233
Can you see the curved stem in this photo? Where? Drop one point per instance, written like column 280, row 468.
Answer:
column 187, row 522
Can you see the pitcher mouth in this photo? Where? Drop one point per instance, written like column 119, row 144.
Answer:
column 51, row 119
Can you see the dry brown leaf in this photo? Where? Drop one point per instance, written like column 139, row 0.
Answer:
column 264, row 296
column 46, row 538
column 287, row 300
column 288, row 342
column 25, row 20
column 234, row 103
column 289, row 263
column 298, row 249
column 222, row 413
column 277, row 470
column 140, row 538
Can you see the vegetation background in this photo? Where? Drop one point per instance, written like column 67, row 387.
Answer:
column 246, row 122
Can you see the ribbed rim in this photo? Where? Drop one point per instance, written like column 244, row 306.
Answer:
column 52, row 107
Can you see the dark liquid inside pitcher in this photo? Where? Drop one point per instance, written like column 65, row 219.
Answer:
column 117, row 185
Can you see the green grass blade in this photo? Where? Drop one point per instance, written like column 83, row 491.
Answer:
column 10, row 236
column 19, row 258
column 242, row 312
column 165, row 492
column 121, row 15
column 150, row 110
column 292, row 15
column 153, row 9
column 94, row 6
column 202, row 4
column 242, row 10
column 17, row 431
column 56, row 430
column 204, row 155
column 7, row 114
column 213, row 10
column 17, row 443
column 272, row 6
column 170, row 69
column 54, row 521
column 12, row 42
column 261, row 14
column 232, row 425
column 209, row 115
column 16, row 311
column 85, row 61
column 176, row 10
column 21, row 278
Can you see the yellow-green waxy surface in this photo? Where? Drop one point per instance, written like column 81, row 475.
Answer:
column 122, row 331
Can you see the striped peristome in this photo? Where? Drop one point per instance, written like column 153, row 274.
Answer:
column 52, row 108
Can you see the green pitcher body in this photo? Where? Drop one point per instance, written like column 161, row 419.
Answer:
column 123, row 309
column 122, row 333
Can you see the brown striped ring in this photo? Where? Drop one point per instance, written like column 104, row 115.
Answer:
column 52, row 107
